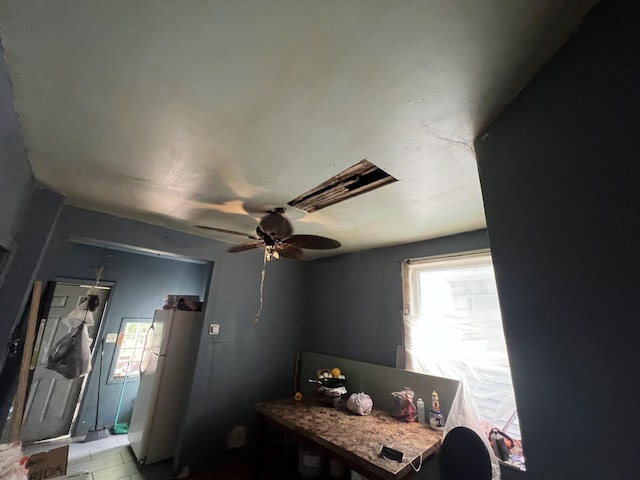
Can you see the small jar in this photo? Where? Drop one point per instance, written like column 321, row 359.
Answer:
column 436, row 420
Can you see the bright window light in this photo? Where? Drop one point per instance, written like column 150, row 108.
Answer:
column 453, row 329
column 131, row 347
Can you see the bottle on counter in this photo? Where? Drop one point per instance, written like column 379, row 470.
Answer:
column 436, row 419
column 435, row 403
column 420, row 406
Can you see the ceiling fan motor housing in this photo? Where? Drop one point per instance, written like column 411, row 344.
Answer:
column 276, row 226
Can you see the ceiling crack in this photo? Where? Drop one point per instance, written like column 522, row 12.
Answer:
column 468, row 146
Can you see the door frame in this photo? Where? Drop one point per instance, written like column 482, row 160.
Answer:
column 83, row 389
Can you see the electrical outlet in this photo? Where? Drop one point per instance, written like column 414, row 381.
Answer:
column 111, row 338
column 214, row 329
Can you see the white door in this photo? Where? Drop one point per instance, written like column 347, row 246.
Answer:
column 52, row 398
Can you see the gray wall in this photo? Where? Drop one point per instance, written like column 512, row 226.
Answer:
column 378, row 381
column 141, row 282
column 559, row 172
column 355, row 300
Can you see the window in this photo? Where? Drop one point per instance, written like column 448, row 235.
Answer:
column 453, row 328
column 130, row 347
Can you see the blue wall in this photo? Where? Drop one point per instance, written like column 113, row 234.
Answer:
column 16, row 235
column 142, row 281
column 559, row 172
column 16, row 182
column 248, row 362
column 27, row 217
column 29, row 252
column 355, row 301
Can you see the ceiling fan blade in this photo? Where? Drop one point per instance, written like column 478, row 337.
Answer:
column 288, row 251
column 232, row 232
column 314, row 242
column 245, row 246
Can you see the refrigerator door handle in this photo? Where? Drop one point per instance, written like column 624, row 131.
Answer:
column 144, row 362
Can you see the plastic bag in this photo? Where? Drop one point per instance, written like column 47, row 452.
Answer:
column 83, row 313
column 404, row 410
column 360, row 403
column 71, row 355
column 12, row 462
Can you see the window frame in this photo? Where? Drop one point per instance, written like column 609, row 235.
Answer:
column 478, row 256
column 112, row 379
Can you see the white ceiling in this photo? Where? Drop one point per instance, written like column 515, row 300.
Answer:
column 195, row 112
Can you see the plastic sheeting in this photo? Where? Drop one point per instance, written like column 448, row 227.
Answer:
column 428, row 350
column 463, row 414
column 462, row 350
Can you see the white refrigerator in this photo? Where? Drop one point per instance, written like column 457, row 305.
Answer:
column 166, row 375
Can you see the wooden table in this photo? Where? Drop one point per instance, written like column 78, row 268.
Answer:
column 353, row 440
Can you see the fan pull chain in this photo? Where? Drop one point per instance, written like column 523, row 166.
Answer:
column 264, row 271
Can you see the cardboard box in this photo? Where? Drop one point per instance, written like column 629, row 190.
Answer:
column 50, row 464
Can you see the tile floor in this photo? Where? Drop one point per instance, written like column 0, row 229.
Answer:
column 111, row 459
column 106, row 459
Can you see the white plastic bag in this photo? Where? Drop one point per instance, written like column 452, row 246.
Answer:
column 12, row 462
column 77, row 317
column 360, row 403
column 83, row 313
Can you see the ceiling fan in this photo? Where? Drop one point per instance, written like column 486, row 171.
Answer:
column 275, row 234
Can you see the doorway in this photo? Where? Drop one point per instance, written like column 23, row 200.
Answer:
column 53, row 400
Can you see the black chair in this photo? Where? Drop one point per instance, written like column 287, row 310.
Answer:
column 463, row 456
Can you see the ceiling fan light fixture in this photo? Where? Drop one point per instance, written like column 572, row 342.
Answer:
column 271, row 253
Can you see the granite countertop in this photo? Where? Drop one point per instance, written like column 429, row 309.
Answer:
column 356, row 438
